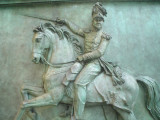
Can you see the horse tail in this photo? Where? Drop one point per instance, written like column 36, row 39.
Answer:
column 153, row 95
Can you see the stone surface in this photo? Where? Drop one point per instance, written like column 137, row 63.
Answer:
column 135, row 45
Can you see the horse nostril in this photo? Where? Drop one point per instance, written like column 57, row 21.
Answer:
column 34, row 60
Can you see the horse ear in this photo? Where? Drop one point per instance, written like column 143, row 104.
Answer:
column 42, row 26
column 35, row 30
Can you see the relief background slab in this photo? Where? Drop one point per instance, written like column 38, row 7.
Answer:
column 135, row 45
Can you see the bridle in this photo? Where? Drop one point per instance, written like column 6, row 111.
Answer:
column 57, row 65
column 44, row 60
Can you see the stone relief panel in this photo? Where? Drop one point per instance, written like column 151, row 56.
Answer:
column 75, row 75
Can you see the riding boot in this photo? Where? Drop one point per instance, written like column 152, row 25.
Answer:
column 79, row 100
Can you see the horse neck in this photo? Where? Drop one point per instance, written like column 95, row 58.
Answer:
column 62, row 51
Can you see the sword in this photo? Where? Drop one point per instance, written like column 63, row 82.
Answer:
column 47, row 19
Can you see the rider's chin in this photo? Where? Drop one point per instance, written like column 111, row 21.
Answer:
column 98, row 26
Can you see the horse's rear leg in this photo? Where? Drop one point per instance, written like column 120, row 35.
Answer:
column 125, row 114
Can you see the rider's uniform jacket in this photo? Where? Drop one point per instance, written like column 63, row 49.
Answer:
column 95, row 44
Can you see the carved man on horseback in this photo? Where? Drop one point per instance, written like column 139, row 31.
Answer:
column 89, row 64
column 116, row 89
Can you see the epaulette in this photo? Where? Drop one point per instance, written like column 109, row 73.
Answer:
column 105, row 36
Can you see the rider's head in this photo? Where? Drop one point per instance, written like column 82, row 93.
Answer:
column 98, row 13
column 97, row 21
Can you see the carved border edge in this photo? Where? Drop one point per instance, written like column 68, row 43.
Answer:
column 14, row 2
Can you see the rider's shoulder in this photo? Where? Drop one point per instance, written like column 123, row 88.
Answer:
column 106, row 36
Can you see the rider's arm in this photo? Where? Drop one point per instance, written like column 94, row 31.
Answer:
column 74, row 28
column 99, row 51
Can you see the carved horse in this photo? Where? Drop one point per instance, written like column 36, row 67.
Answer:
column 58, row 49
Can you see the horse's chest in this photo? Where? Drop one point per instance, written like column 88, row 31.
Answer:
column 53, row 77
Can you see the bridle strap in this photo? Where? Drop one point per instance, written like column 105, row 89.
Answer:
column 58, row 64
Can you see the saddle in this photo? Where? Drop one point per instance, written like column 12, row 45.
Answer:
column 109, row 68
column 72, row 73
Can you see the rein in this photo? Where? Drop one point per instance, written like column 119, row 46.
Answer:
column 58, row 64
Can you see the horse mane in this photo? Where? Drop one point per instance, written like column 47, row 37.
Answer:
column 74, row 41
column 61, row 33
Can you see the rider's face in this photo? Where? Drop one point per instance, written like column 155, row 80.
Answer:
column 97, row 23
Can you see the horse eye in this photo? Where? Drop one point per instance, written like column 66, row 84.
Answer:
column 38, row 40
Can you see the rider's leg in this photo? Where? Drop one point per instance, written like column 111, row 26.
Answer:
column 72, row 73
column 88, row 74
column 79, row 100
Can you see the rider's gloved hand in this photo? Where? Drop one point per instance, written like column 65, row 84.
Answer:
column 80, row 58
column 60, row 22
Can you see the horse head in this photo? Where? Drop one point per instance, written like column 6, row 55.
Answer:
column 41, row 43
column 54, row 44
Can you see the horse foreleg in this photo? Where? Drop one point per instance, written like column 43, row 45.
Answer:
column 28, row 92
column 21, row 110
column 20, row 114
column 43, row 100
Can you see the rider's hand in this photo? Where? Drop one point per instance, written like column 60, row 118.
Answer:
column 60, row 22
column 80, row 58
